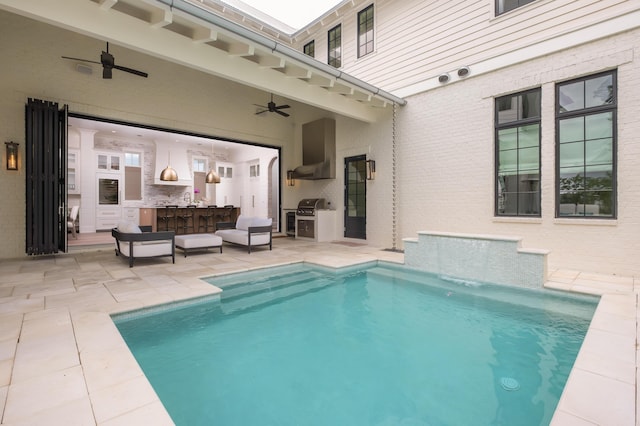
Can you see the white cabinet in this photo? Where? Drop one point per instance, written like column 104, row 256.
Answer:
column 109, row 162
column 131, row 214
column 73, row 171
column 107, row 218
column 226, row 191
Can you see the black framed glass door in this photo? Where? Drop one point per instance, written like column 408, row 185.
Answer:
column 355, row 197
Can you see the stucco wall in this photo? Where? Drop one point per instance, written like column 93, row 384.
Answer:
column 446, row 164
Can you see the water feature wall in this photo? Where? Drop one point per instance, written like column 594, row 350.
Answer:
column 481, row 258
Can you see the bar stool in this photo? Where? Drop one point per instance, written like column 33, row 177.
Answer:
column 224, row 214
column 186, row 214
column 207, row 220
column 167, row 215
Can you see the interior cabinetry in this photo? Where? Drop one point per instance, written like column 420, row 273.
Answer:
column 73, row 171
column 109, row 162
column 107, row 218
column 131, row 214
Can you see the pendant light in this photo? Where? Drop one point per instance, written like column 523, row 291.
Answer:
column 169, row 174
column 212, row 176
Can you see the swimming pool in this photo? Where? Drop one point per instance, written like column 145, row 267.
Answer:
column 381, row 345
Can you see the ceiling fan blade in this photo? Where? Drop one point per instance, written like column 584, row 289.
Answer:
column 80, row 59
column 261, row 112
column 282, row 106
column 284, row 114
column 261, row 106
column 131, row 70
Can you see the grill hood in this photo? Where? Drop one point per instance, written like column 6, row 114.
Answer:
column 318, row 151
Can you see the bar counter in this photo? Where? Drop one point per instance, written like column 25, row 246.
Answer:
column 152, row 216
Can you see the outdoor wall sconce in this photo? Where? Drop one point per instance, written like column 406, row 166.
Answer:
column 12, row 155
column 371, row 169
column 291, row 181
column 169, row 174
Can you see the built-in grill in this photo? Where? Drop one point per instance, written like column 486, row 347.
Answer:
column 308, row 206
column 306, row 217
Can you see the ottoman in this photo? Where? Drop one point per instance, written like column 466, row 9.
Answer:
column 198, row 241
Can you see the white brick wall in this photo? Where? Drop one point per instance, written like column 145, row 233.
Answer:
column 447, row 159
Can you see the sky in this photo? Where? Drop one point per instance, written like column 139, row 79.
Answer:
column 295, row 13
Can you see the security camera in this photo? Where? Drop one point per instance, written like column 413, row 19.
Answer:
column 463, row 72
column 443, row 78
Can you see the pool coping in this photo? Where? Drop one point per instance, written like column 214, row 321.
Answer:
column 613, row 321
column 69, row 364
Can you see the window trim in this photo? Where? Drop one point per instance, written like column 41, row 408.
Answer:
column 359, row 34
column 585, row 112
column 339, row 45
column 515, row 125
column 497, row 7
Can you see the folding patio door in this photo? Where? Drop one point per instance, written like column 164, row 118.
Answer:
column 46, row 174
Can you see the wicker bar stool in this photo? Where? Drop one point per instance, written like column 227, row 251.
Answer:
column 188, row 213
column 207, row 220
column 168, row 218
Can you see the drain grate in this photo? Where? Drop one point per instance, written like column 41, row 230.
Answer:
column 509, row 384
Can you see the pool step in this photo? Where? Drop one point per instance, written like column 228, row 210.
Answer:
column 235, row 289
column 255, row 294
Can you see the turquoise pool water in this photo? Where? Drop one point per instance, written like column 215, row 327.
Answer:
column 381, row 346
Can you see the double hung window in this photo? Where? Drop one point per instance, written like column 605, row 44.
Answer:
column 309, row 49
column 335, row 49
column 365, row 31
column 517, row 134
column 586, row 146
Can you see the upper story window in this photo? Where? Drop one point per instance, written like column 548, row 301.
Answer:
column 335, row 49
column 517, row 127
column 365, row 31
column 586, row 111
column 310, row 49
column 503, row 6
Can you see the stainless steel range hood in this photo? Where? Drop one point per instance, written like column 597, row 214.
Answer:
column 318, row 150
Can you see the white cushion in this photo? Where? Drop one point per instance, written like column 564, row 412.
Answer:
column 261, row 221
column 154, row 248
column 239, row 236
column 244, row 222
column 129, row 228
column 198, row 240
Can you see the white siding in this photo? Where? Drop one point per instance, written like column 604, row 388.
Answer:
column 416, row 40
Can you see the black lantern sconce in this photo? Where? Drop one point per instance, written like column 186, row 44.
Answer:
column 371, row 169
column 12, row 155
column 291, row 181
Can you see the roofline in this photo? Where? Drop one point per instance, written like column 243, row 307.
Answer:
column 274, row 46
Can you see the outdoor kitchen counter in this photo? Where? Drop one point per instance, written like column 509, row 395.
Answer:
column 149, row 216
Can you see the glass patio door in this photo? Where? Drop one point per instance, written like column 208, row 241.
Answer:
column 355, row 197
